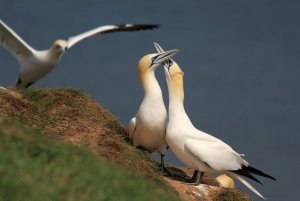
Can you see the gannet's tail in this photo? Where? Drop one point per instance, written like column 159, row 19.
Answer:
column 243, row 181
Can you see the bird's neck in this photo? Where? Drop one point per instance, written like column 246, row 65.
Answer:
column 176, row 91
column 150, row 85
column 176, row 101
column 54, row 55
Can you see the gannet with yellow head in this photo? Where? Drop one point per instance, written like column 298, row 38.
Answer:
column 147, row 129
column 35, row 64
column 197, row 149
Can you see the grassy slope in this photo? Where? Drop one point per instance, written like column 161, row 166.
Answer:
column 40, row 161
column 36, row 167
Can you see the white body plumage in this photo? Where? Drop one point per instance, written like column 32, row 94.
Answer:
column 147, row 129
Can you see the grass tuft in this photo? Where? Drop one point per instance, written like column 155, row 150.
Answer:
column 227, row 194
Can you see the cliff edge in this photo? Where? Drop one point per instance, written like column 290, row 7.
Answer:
column 59, row 144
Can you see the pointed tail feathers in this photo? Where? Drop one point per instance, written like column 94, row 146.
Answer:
column 240, row 179
column 246, row 174
column 257, row 172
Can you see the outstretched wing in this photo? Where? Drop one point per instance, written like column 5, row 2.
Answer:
column 215, row 153
column 14, row 43
column 109, row 29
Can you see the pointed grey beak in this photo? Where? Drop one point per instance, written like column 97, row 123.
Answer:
column 161, row 57
column 159, row 49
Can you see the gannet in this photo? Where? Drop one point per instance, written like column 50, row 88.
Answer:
column 167, row 64
column 197, row 149
column 147, row 129
column 35, row 64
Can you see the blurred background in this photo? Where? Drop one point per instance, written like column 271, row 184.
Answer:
column 240, row 58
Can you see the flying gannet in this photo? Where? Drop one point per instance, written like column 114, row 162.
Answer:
column 148, row 128
column 195, row 148
column 35, row 64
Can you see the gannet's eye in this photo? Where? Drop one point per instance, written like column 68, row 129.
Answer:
column 154, row 58
column 169, row 62
column 57, row 47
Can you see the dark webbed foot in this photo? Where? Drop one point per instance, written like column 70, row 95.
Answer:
column 196, row 180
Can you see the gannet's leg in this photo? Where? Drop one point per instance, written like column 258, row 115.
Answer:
column 164, row 170
column 200, row 178
column 196, row 179
column 195, row 176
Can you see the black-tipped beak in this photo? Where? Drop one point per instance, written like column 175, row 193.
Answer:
column 161, row 57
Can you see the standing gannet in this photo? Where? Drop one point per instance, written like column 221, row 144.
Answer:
column 148, row 128
column 195, row 148
column 35, row 64
column 167, row 64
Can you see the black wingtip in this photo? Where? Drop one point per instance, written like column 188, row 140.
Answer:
column 156, row 26
column 137, row 27
column 132, row 27
column 257, row 172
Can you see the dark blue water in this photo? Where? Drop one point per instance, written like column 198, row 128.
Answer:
column 240, row 58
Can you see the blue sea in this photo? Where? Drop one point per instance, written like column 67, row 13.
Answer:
column 240, row 59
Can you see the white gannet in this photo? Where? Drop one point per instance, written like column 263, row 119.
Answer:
column 35, row 64
column 167, row 64
column 197, row 149
column 148, row 128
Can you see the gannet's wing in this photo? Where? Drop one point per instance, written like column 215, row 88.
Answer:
column 14, row 43
column 131, row 127
column 109, row 29
column 215, row 153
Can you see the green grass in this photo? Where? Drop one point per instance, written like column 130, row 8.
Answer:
column 34, row 167
column 44, row 98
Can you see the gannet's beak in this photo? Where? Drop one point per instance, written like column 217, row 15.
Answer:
column 158, row 47
column 168, row 63
column 161, row 57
